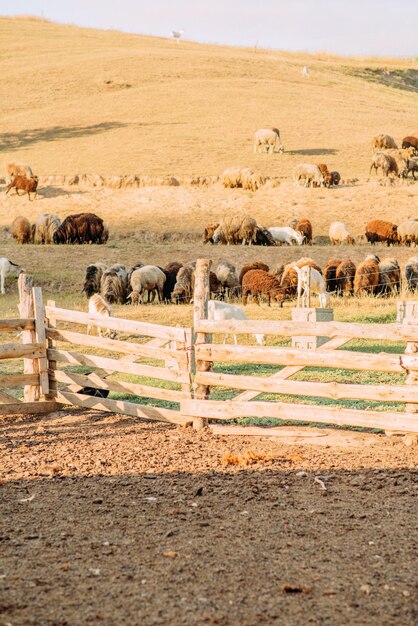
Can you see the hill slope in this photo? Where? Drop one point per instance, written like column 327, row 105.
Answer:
column 76, row 100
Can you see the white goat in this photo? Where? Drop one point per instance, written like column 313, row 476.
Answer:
column 8, row 268
column 220, row 311
column 99, row 306
column 285, row 234
column 311, row 281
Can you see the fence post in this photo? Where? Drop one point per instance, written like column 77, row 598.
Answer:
column 31, row 393
column 200, row 311
column 40, row 335
column 407, row 313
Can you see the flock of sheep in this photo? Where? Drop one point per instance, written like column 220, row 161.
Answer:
column 48, row 229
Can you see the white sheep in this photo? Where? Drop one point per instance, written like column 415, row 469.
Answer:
column 268, row 140
column 285, row 234
column 226, row 273
column 310, row 281
column 220, row 311
column 8, row 268
column 338, row 233
column 309, row 173
column 147, row 278
column 99, row 306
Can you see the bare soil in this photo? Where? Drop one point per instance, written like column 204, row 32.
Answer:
column 110, row 520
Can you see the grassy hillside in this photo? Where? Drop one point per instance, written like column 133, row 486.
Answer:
column 76, row 100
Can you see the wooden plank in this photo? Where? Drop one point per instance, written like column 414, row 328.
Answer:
column 40, row 337
column 126, row 347
column 201, row 297
column 31, row 393
column 332, row 390
column 382, row 362
column 92, row 380
column 18, row 380
column 50, row 322
column 289, row 328
column 227, row 409
column 19, row 350
column 289, row 371
column 17, row 324
column 122, row 407
column 29, row 408
column 138, row 369
column 6, row 398
column 115, row 323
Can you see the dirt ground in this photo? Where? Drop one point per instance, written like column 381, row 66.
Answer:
column 110, row 520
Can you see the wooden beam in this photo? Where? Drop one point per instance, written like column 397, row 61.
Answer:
column 31, row 393
column 18, row 380
column 29, row 408
column 19, row 350
column 40, row 337
column 17, row 324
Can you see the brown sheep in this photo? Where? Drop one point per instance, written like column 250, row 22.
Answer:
column 257, row 283
column 380, row 230
column 22, row 230
column 344, row 275
column 28, row 185
column 18, row 169
column 366, row 279
column 254, row 265
column 263, row 237
column 383, row 142
column 304, row 227
column 93, row 278
column 209, row 232
column 289, row 279
column 410, row 142
column 170, row 270
column 216, row 289
column 412, row 167
column 328, row 181
column 335, row 177
column 330, row 274
column 81, row 228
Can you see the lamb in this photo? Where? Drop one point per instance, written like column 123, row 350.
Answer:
column 386, row 162
column 366, row 279
column 22, row 230
column 389, row 277
column 411, row 273
column 304, row 227
column 254, row 265
column 45, row 227
column 338, row 233
column 268, row 140
column 99, row 306
column 227, row 276
column 237, row 229
column 310, row 281
column 28, row 185
column 328, row 179
column 114, row 284
column 81, row 228
column 285, row 234
column 383, row 142
column 184, row 287
column 92, row 281
column 381, row 230
column 330, row 274
column 171, row 270
column 257, row 283
column 209, row 232
column 147, row 278
column 336, row 178
column 8, row 268
column 18, row 169
column 410, row 142
column 220, row 311
column 408, row 232
column 344, row 275
column 309, row 173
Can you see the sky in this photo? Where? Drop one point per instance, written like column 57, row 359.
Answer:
column 347, row 27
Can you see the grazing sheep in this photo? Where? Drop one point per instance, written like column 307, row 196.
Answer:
column 366, row 278
column 410, row 142
column 263, row 237
column 289, row 276
column 330, row 274
column 389, row 277
column 241, row 177
column 310, row 281
column 227, row 276
column 344, row 275
column 383, row 142
column 386, row 162
column 45, row 227
column 253, row 265
column 309, row 173
column 336, row 178
column 381, row 230
column 99, row 306
column 237, row 229
column 18, row 169
column 412, row 165
column 304, row 227
column 411, row 273
column 220, row 311
column 131, row 271
column 408, row 232
column 268, row 140
column 8, row 268
column 22, row 230
column 170, row 270
column 209, row 232
column 338, row 233
column 285, row 234
column 216, row 289
column 257, row 283
column 81, row 228
column 328, row 180
column 92, row 280
column 114, row 284
column 28, row 185
column 147, row 278
column 401, row 159
column 184, row 287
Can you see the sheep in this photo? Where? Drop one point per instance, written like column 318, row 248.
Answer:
column 328, row 180
column 408, row 232
column 170, row 270
column 310, row 281
column 81, row 228
column 412, row 165
column 8, row 268
column 411, row 273
column 92, row 280
column 259, row 283
column 263, row 237
column 241, row 177
column 401, row 159
column 237, row 229
column 99, row 306
column 304, row 227
column 227, row 276
column 389, row 277
column 309, row 173
column 28, row 185
column 147, row 278
column 366, row 278
column 410, row 142
column 386, row 162
column 338, row 233
column 330, row 274
column 220, row 311
column 289, row 276
column 209, row 232
column 184, row 287
column 22, row 230
column 268, row 140
column 254, row 265
column 215, row 286
column 18, row 169
column 114, row 284
column 45, row 227
column 285, row 234
column 251, row 180
column 344, row 274
column 382, row 142
column 335, row 177
column 381, row 230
